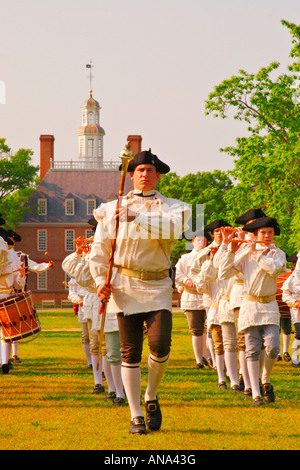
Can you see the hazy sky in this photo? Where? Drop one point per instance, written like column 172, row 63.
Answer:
column 155, row 62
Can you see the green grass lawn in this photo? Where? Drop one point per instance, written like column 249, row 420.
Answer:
column 47, row 401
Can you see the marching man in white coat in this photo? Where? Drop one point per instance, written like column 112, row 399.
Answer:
column 193, row 303
column 291, row 295
column 259, row 314
column 141, row 286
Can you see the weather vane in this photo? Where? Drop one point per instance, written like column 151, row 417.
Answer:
column 90, row 66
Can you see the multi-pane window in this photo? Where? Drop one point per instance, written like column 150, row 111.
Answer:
column 41, row 240
column 91, row 118
column 42, row 281
column 42, row 203
column 69, row 206
column 100, row 148
column 90, row 206
column 89, row 233
column 69, row 237
column 90, row 147
column 81, row 149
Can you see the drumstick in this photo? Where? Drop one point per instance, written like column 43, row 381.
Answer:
column 16, row 270
column 47, row 254
column 65, row 284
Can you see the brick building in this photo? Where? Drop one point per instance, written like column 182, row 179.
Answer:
column 64, row 201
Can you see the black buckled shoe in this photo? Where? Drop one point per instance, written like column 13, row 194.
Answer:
column 268, row 393
column 5, row 368
column 287, row 357
column 222, row 385
column 153, row 415
column 119, row 401
column 258, row 401
column 98, row 389
column 137, row 425
column 247, row 392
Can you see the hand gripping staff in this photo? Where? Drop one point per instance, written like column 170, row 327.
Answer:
column 126, row 156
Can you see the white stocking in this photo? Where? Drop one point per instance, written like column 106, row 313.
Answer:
column 97, row 372
column 15, row 348
column 220, row 367
column 286, row 342
column 117, row 376
column 131, row 376
column 156, row 370
column 231, row 367
column 197, row 342
column 108, row 375
column 267, row 369
column 244, row 369
column 87, row 352
column 253, row 369
column 6, row 349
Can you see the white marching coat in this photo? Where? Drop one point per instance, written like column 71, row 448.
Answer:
column 144, row 244
column 207, row 282
column 260, row 272
column 92, row 303
column 76, row 295
column 291, row 293
column 190, row 298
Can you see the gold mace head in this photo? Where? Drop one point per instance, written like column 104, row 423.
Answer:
column 126, row 156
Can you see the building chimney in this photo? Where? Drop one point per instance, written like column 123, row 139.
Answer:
column 136, row 143
column 46, row 154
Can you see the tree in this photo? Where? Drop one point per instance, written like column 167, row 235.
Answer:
column 204, row 192
column 17, row 181
column 267, row 161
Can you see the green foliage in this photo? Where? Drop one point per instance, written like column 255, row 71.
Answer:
column 17, row 181
column 205, row 192
column 266, row 162
column 207, row 188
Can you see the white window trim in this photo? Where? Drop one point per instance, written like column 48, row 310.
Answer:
column 67, row 239
column 43, row 202
column 88, row 233
column 67, row 206
column 87, row 206
column 42, row 276
column 39, row 232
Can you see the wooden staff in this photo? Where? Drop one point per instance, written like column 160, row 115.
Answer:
column 126, row 156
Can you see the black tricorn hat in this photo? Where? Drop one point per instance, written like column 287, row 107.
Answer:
column 146, row 157
column 15, row 236
column 250, row 215
column 92, row 221
column 3, row 234
column 197, row 233
column 261, row 223
column 203, row 233
column 292, row 258
column 216, row 224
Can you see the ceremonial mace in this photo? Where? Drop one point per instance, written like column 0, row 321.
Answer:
column 126, row 156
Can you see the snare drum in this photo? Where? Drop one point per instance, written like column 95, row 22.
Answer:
column 18, row 318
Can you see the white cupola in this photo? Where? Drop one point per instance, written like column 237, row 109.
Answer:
column 90, row 134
